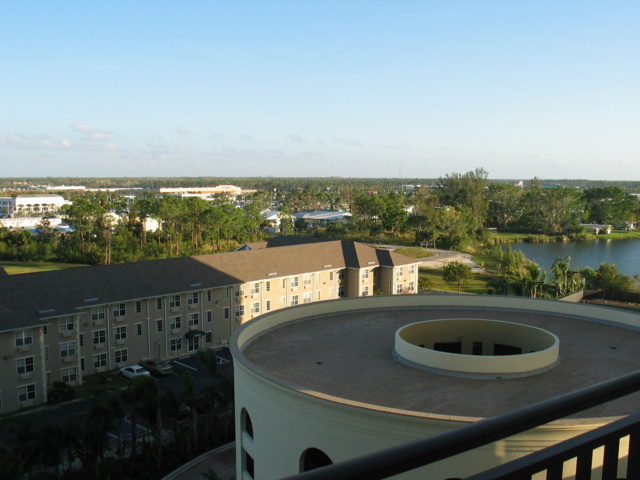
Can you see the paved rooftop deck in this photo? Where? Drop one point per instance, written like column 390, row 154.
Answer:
column 349, row 357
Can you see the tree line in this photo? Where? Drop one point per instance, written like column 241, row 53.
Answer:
column 457, row 211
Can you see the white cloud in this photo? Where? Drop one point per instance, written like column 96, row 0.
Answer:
column 90, row 133
column 182, row 131
column 295, row 138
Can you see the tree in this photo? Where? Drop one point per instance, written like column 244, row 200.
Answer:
column 565, row 280
column 505, row 204
column 457, row 273
column 609, row 205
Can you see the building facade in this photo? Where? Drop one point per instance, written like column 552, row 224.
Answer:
column 67, row 324
column 333, row 381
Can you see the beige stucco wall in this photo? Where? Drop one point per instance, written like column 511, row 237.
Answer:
column 540, row 348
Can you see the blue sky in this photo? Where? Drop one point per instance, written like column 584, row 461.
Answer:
column 413, row 89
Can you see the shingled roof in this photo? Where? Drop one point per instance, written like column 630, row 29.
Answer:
column 27, row 299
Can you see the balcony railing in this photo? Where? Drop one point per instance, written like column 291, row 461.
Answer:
column 412, row 455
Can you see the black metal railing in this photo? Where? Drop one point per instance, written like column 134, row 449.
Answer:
column 412, row 455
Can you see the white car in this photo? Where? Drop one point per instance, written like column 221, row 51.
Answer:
column 133, row 371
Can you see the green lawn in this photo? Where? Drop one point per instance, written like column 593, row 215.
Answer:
column 100, row 382
column 477, row 285
column 15, row 268
column 414, row 252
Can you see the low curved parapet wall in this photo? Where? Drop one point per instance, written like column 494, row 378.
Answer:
column 485, row 348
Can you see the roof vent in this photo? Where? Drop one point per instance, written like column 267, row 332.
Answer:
column 272, row 274
column 94, row 299
column 371, row 263
column 326, row 266
column 196, row 285
column 42, row 312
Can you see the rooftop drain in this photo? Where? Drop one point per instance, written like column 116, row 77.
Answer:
column 477, row 348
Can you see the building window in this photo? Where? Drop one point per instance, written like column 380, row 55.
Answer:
column 159, row 325
column 209, row 316
column 99, row 336
column 294, row 300
column 239, row 312
column 158, row 304
column 411, row 286
column 399, row 288
column 193, row 298
column 66, row 324
column 24, row 365
column 225, row 293
column 67, row 349
column 239, row 291
column 193, row 319
column 138, row 328
column 175, row 323
column 294, row 282
column 341, row 291
column 306, row 279
column 46, row 352
column 318, row 296
column 208, row 295
column 283, row 302
column 100, row 360
column 331, row 276
column 412, row 269
column 255, row 307
column 82, row 364
column 121, row 356
column 45, row 330
column 175, row 301
column 365, row 275
column 399, row 272
column 255, row 288
column 81, row 340
column 138, row 307
column 27, row 392
column 97, row 313
column 226, row 313
column 306, row 298
column 365, row 291
column 267, row 305
column 208, row 338
column 120, row 333
column 175, row 345
column 69, row 375
column 267, row 285
column 120, row 310
column 283, row 283
column 330, row 292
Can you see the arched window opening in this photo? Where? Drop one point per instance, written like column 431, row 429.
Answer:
column 313, row 458
column 247, row 425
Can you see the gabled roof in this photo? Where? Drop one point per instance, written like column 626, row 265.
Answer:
column 27, row 299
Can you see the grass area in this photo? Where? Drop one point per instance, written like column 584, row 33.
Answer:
column 99, row 383
column 477, row 285
column 414, row 252
column 16, row 268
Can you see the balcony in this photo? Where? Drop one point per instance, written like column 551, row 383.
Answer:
column 550, row 463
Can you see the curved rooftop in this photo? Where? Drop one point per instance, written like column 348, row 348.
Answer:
column 343, row 351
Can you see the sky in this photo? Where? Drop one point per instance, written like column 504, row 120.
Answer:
column 311, row 88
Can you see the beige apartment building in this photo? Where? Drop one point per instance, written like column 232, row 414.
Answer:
column 67, row 324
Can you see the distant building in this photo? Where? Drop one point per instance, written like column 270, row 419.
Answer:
column 31, row 205
column 323, row 218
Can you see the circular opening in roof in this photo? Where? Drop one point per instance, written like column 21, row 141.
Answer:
column 477, row 348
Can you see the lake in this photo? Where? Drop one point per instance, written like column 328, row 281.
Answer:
column 624, row 254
